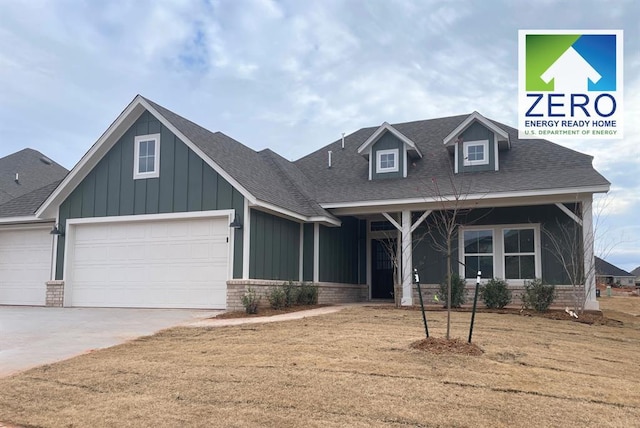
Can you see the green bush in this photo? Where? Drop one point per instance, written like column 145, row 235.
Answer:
column 290, row 294
column 251, row 300
column 538, row 295
column 277, row 298
column 457, row 291
column 496, row 294
column 308, row 294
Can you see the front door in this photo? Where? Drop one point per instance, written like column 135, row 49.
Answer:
column 381, row 269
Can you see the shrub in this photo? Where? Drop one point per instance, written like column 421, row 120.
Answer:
column 251, row 300
column 538, row 295
column 290, row 294
column 496, row 294
column 457, row 291
column 277, row 298
column 308, row 294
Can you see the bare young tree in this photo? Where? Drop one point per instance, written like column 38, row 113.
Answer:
column 566, row 243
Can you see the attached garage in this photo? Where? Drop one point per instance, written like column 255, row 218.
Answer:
column 148, row 261
column 25, row 264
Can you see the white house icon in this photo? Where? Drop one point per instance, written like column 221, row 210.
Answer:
column 571, row 73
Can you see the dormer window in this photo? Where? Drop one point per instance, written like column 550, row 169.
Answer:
column 476, row 152
column 387, row 160
column 146, row 156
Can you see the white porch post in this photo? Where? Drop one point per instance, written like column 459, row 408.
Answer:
column 590, row 302
column 406, row 248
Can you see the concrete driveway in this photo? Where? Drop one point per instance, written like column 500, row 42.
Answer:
column 32, row 336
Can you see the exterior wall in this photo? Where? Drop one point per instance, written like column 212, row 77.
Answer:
column 55, row 294
column 473, row 133
column 387, row 141
column 328, row 293
column 431, row 263
column 343, row 252
column 307, row 258
column 274, row 248
column 186, row 183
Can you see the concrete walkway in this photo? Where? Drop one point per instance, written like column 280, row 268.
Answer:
column 225, row 322
column 32, row 336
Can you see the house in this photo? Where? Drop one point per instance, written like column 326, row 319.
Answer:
column 608, row 274
column 636, row 274
column 161, row 212
column 27, row 177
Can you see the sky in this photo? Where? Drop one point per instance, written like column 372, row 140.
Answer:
column 293, row 75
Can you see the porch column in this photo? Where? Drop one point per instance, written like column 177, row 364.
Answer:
column 407, row 277
column 590, row 302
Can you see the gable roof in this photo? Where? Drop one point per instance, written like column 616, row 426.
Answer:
column 529, row 167
column 385, row 127
column 253, row 174
column 477, row 117
column 636, row 272
column 37, row 177
column 604, row 268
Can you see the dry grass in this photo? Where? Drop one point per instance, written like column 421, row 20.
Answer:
column 352, row 368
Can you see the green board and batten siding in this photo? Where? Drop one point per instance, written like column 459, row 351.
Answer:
column 275, row 248
column 186, row 183
column 477, row 132
column 343, row 252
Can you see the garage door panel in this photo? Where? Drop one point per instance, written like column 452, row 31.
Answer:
column 169, row 263
column 25, row 263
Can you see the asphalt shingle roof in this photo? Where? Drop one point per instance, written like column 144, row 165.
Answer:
column 528, row 165
column 37, row 177
column 607, row 269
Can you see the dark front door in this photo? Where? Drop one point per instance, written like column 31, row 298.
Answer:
column 381, row 269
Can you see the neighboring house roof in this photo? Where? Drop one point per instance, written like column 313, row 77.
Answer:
column 636, row 272
column 604, row 268
column 530, row 165
column 37, row 177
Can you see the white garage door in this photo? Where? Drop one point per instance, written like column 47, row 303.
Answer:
column 25, row 265
column 149, row 264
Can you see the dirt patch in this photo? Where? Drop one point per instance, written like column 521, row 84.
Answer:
column 266, row 312
column 440, row 345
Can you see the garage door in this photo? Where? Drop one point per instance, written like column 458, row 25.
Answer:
column 149, row 264
column 25, row 265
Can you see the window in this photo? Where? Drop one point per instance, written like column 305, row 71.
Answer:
column 387, row 160
column 519, row 253
column 476, row 153
column 146, row 156
column 478, row 253
column 510, row 252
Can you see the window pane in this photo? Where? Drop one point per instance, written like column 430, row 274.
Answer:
column 512, row 267
column 526, row 241
column 511, row 241
column 471, row 266
column 471, row 242
column 142, row 164
column 527, row 267
column 150, row 164
column 151, row 148
column 485, row 241
column 486, row 266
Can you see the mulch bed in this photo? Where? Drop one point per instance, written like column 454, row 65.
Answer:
column 440, row 345
column 266, row 312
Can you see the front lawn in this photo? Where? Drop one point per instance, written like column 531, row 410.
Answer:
column 351, row 368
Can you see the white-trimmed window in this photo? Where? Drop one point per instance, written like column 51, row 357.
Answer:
column 519, row 253
column 476, row 152
column 510, row 252
column 387, row 161
column 146, row 163
column 478, row 253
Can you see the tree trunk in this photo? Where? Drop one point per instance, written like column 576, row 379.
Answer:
column 448, row 287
